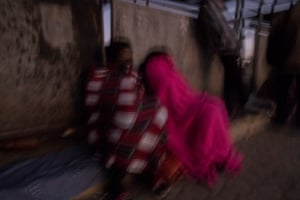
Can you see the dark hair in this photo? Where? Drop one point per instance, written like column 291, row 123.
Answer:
column 98, row 56
column 142, row 68
column 114, row 49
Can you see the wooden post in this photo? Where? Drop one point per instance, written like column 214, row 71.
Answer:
column 257, row 41
column 101, row 27
column 273, row 7
column 112, row 10
column 240, row 25
column 237, row 13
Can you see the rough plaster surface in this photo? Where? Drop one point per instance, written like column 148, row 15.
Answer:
column 148, row 28
column 56, row 24
column 215, row 77
column 40, row 62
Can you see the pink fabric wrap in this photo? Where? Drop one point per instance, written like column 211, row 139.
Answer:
column 198, row 125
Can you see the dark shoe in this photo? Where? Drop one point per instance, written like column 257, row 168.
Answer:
column 122, row 196
column 161, row 189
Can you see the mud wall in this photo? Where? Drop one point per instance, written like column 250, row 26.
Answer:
column 46, row 47
column 148, row 28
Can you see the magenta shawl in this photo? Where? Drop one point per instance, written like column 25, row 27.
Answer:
column 198, row 125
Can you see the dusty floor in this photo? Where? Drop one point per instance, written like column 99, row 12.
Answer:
column 271, row 172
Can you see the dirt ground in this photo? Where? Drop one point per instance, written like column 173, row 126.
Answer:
column 271, row 172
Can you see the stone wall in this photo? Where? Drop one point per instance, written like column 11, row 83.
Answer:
column 46, row 47
column 148, row 28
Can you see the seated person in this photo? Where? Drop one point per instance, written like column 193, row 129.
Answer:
column 125, row 124
column 197, row 127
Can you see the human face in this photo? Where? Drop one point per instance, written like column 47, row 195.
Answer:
column 125, row 58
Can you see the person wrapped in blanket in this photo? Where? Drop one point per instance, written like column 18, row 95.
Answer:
column 198, row 126
column 125, row 124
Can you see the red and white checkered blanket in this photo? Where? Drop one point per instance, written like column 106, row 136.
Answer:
column 128, row 124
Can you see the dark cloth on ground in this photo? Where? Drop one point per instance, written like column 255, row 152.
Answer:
column 56, row 176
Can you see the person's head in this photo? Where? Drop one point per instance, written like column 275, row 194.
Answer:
column 143, row 66
column 119, row 54
column 151, row 55
column 98, row 56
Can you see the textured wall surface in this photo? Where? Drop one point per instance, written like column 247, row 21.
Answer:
column 148, row 27
column 45, row 48
column 262, row 68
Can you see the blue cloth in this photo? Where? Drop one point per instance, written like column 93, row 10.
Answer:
column 55, row 176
